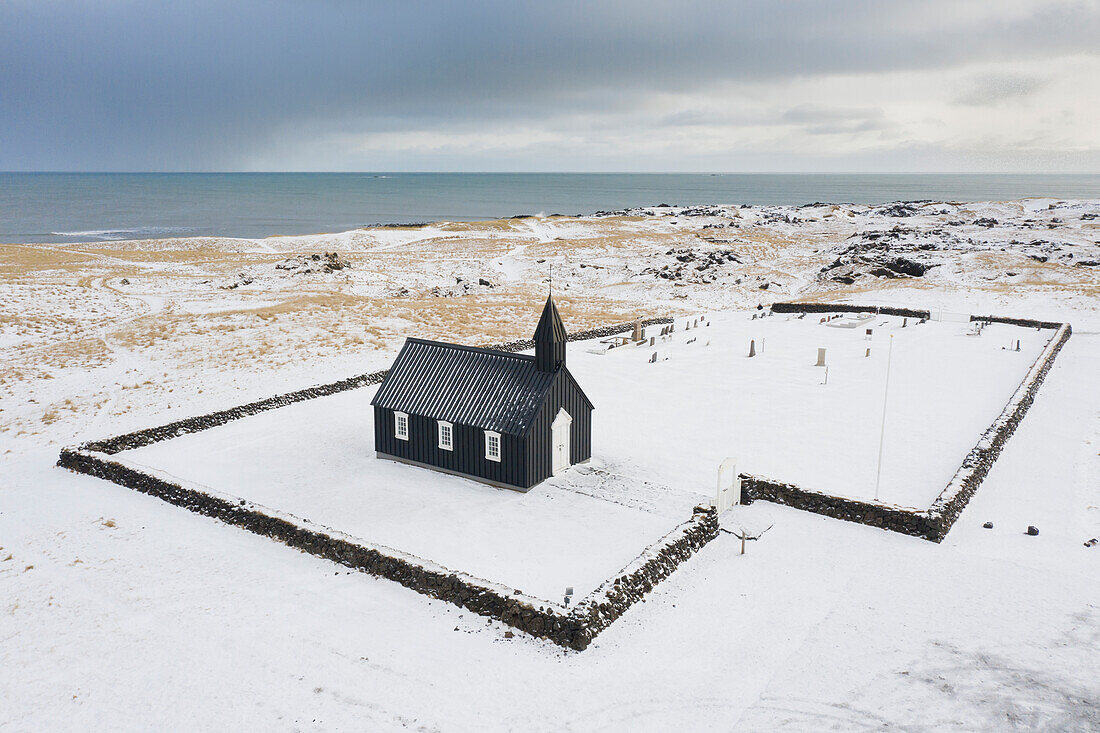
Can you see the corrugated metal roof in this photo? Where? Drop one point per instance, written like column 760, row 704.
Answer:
column 483, row 388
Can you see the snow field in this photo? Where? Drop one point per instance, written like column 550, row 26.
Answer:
column 654, row 456
column 674, row 421
column 121, row 612
column 315, row 460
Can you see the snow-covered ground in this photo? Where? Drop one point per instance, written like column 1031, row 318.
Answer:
column 316, row 460
column 118, row 611
column 665, row 424
column 784, row 418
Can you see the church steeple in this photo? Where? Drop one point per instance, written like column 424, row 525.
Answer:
column 550, row 339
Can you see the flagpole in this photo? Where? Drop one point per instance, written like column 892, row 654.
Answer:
column 882, row 429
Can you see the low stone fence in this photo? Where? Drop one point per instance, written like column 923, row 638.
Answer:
column 953, row 499
column 592, row 333
column 874, row 514
column 149, row 436
column 611, row 600
column 935, row 522
column 1025, row 322
column 574, row 628
column 847, row 308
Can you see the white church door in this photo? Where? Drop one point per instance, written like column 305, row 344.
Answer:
column 560, row 432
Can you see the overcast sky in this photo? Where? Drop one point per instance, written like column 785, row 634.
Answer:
column 840, row 85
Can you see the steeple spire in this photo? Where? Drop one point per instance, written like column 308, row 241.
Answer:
column 550, row 339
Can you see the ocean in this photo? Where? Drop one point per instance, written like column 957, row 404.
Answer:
column 75, row 207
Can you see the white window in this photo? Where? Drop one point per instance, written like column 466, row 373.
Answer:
column 446, row 435
column 400, row 426
column 492, row 445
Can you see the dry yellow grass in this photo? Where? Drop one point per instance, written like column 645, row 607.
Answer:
column 155, row 341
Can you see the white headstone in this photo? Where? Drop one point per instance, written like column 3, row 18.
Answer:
column 820, row 356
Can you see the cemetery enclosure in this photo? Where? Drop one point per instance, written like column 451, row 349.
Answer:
column 935, row 522
column 674, row 421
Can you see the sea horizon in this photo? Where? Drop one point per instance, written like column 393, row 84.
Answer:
column 63, row 207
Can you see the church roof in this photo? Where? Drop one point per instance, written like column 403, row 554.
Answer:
column 466, row 385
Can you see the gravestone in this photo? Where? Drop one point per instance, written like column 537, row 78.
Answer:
column 820, row 357
column 637, row 333
column 752, row 348
column 868, row 352
column 904, row 322
column 653, row 358
column 870, row 331
column 652, row 339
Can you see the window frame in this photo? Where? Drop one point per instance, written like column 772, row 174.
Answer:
column 397, row 431
column 489, row 435
column 442, row 426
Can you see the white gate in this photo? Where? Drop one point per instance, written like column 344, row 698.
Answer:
column 560, row 432
column 949, row 316
column 729, row 485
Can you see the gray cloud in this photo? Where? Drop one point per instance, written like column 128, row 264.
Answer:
column 826, row 120
column 205, row 84
column 988, row 90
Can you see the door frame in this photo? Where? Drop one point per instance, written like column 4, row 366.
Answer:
column 563, row 422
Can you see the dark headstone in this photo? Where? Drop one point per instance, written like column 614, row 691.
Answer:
column 1032, row 530
column 988, row 525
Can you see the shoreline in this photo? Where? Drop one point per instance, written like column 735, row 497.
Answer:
column 649, row 210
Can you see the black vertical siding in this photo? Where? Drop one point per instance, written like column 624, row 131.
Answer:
column 467, row 457
column 563, row 394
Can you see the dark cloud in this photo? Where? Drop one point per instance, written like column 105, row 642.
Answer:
column 133, row 84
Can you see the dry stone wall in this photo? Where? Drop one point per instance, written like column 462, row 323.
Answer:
column 848, row 308
column 953, row 499
column 883, row 516
column 1025, row 322
column 149, row 436
column 574, row 629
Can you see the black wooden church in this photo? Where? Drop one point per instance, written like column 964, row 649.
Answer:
column 506, row 419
